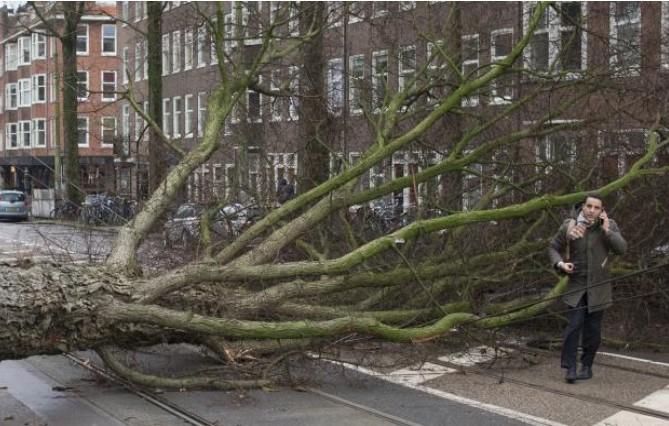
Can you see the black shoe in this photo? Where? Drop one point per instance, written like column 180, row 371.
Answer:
column 585, row 373
column 570, row 377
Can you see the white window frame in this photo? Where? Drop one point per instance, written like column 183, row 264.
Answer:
column 125, row 64
column 276, row 102
column 138, row 68
column 165, row 54
column 213, row 54
column 37, row 131
column 613, row 42
column 188, row 49
column 201, row 112
column 25, row 92
column 105, row 37
column 9, row 87
column 176, row 52
column 35, row 88
column 102, row 86
column 176, row 116
column 356, row 107
column 139, row 10
column 294, row 84
column 145, row 59
column 472, row 100
column 88, row 86
column 24, row 44
column 12, row 143
column 167, row 116
column 11, row 56
column 404, row 72
column 200, row 44
column 495, row 98
column 125, row 128
column 554, row 30
column 83, row 53
column 188, row 116
column 38, row 40
column 139, row 126
column 335, row 85
column 23, row 132
column 623, row 150
column 102, row 131
column 125, row 12
column 88, row 133
column 376, row 102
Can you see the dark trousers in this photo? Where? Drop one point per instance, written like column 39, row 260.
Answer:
column 581, row 322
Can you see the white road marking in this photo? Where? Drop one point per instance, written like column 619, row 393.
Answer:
column 658, row 400
column 423, row 373
column 474, row 356
column 631, row 358
column 400, row 379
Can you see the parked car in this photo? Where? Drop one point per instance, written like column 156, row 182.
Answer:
column 13, row 205
column 184, row 226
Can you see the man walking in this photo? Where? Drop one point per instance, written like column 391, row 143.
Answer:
column 587, row 242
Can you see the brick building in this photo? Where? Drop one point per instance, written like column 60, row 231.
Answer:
column 28, row 108
column 371, row 49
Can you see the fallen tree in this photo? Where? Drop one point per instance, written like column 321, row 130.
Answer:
column 242, row 297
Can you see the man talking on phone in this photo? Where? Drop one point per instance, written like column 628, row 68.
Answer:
column 582, row 248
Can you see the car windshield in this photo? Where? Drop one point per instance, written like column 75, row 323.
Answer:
column 12, row 197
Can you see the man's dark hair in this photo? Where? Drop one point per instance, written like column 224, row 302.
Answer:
column 594, row 195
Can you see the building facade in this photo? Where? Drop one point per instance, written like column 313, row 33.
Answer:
column 30, row 73
column 616, row 52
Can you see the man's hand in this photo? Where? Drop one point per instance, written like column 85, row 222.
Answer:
column 567, row 267
column 577, row 231
column 605, row 221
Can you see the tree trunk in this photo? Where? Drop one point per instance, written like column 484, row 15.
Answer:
column 72, row 11
column 157, row 152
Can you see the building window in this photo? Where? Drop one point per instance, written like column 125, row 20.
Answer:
column 12, row 96
column 125, row 130
column 501, row 43
column 188, row 116
column 201, row 112
column 39, row 132
column 336, row 85
column 125, row 12
column 176, row 117
column 407, row 68
column 380, row 8
column 253, row 103
column 108, row 130
column 379, row 78
column 82, row 39
column 200, row 45
column 82, row 131
column 109, row 40
column 213, row 53
column 125, row 64
column 145, row 59
column 108, row 85
column 24, row 134
column 139, row 126
column 625, row 42
column 166, row 54
column 294, row 100
column 559, row 41
column 229, row 42
column 436, row 72
column 11, row 56
column 470, row 65
column 407, row 5
column 24, row 51
column 138, row 61
column 24, row 92
column 82, row 85
column 39, row 88
column 145, row 108
column 176, row 51
column 276, row 101
column 167, row 117
column 188, row 49
column 664, row 35
column 356, row 81
column 139, row 10
column 39, row 46
column 12, row 135
column 472, row 186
